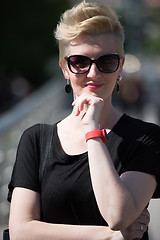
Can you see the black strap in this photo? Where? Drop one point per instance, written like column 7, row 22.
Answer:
column 46, row 136
column 6, row 234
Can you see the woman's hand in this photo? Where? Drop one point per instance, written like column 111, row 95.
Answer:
column 89, row 108
column 136, row 230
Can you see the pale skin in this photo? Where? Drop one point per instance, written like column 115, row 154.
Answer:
column 92, row 109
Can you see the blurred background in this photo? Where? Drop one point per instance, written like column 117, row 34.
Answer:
column 32, row 86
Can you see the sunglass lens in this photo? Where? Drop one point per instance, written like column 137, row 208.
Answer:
column 108, row 63
column 79, row 64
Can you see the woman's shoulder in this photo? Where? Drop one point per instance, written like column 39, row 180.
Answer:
column 136, row 124
column 133, row 129
column 37, row 129
column 31, row 133
column 32, row 129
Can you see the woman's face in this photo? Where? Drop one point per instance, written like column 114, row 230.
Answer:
column 93, row 82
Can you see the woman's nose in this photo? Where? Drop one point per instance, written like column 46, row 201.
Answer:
column 93, row 71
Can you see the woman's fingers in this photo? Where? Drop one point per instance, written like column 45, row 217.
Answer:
column 144, row 218
column 78, row 105
column 89, row 109
column 83, row 102
column 137, row 229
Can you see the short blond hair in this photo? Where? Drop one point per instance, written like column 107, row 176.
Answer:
column 91, row 19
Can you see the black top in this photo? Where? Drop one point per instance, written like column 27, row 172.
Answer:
column 66, row 191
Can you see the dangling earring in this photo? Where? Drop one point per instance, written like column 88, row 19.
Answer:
column 118, row 81
column 68, row 87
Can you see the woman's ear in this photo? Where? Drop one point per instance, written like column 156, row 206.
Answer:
column 64, row 68
column 122, row 62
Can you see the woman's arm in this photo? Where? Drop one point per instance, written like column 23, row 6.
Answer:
column 25, row 224
column 120, row 199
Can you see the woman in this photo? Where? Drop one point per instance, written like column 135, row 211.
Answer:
column 103, row 168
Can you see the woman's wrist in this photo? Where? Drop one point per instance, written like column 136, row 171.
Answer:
column 97, row 133
column 90, row 127
column 108, row 234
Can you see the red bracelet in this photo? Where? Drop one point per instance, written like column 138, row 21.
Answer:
column 98, row 133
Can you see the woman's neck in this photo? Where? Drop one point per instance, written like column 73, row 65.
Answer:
column 109, row 117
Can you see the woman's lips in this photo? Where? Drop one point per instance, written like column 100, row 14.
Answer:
column 94, row 85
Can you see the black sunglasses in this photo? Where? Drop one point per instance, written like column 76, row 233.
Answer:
column 80, row 64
